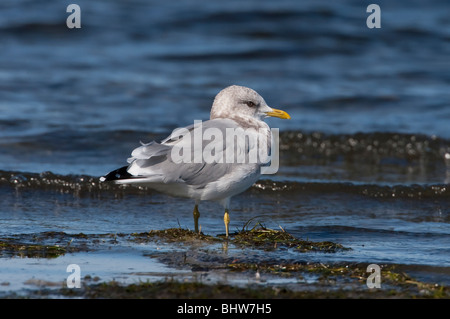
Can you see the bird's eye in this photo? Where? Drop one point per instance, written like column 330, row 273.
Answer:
column 250, row 104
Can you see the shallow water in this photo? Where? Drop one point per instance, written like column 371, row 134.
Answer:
column 364, row 161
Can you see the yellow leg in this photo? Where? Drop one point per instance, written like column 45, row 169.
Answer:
column 196, row 217
column 226, row 219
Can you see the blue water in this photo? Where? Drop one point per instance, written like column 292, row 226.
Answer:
column 370, row 108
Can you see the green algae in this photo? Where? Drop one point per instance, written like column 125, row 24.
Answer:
column 259, row 237
column 269, row 239
column 173, row 289
column 189, row 290
column 307, row 279
column 51, row 244
column 173, row 235
column 343, row 277
column 30, row 250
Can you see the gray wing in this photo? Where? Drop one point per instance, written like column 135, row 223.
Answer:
column 174, row 160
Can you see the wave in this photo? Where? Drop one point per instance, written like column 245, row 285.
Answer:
column 371, row 158
column 82, row 185
column 371, row 190
column 361, row 146
column 371, row 147
column 31, row 29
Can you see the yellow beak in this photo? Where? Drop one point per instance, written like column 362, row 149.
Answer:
column 279, row 113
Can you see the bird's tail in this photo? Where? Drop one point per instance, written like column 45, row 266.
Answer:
column 120, row 173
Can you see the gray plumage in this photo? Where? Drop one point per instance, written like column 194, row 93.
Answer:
column 201, row 161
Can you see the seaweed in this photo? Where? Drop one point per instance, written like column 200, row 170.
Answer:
column 265, row 238
column 30, row 250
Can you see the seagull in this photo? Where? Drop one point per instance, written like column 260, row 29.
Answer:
column 201, row 161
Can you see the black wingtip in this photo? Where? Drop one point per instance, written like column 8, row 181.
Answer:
column 120, row 173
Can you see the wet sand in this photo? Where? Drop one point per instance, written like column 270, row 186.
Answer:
column 177, row 263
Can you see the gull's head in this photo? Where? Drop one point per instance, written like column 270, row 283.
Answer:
column 243, row 103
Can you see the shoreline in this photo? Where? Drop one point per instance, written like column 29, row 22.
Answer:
column 205, row 267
